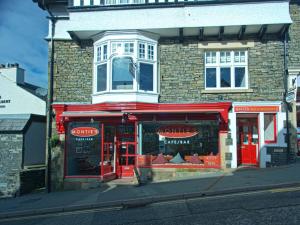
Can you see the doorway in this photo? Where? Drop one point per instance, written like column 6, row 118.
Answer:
column 247, row 141
column 126, row 150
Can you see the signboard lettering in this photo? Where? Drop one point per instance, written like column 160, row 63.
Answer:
column 177, row 131
column 4, row 101
column 84, row 131
column 266, row 108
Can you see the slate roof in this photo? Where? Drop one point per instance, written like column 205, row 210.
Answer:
column 13, row 122
column 35, row 90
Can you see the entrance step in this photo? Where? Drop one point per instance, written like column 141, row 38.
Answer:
column 81, row 183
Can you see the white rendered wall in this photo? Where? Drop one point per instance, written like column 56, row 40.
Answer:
column 263, row 157
column 176, row 17
column 20, row 101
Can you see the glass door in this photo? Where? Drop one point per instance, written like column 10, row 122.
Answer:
column 126, row 150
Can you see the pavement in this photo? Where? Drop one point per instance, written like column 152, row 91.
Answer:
column 124, row 194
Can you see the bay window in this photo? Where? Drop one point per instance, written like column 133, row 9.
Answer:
column 125, row 63
column 226, row 69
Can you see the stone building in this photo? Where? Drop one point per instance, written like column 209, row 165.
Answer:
column 22, row 132
column 171, row 86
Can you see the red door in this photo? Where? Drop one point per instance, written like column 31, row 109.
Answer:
column 248, row 142
column 126, row 151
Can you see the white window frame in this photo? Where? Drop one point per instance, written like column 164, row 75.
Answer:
column 232, row 65
column 122, row 39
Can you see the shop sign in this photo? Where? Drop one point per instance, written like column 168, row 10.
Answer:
column 177, row 141
column 177, row 131
column 266, row 108
column 3, row 102
column 84, row 131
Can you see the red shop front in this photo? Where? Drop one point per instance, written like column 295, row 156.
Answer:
column 110, row 140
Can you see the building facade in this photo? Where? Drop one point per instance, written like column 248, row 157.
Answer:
column 170, row 86
column 22, row 132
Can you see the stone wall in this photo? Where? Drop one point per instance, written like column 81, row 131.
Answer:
column 10, row 163
column 31, row 180
column 73, row 72
column 294, row 34
column 182, row 69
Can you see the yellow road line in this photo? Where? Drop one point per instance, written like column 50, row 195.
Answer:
column 285, row 190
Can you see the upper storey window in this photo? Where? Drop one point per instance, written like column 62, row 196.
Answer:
column 126, row 64
column 226, row 69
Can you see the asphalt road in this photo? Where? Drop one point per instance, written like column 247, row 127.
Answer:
column 278, row 206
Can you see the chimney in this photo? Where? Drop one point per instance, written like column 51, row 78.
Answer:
column 13, row 72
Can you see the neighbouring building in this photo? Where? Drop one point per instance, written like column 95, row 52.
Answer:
column 22, row 132
column 170, row 86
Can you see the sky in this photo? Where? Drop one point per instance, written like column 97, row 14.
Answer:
column 23, row 28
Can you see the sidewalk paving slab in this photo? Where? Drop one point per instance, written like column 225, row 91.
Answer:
column 113, row 195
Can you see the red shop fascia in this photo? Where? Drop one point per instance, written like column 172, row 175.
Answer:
column 110, row 114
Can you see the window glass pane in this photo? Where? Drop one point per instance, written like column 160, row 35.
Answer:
column 146, row 77
column 254, row 134
column 128, row 47
column 236, row 56
column 225, row 57
column 101, row 77
column 245, row 133
column 83, row 151
column 150, row 52
column 115, row 47
column 269, row 127
column 242, row 57
column 122, row 78
column 104, row 52
column 239, row 75
column 99, row 54
column 222, row 57
column 211, row 80
column 142, row 51
column 214, row 57
column 157, row 139
column 208, row 58
column 211, row 57
column 225, row 77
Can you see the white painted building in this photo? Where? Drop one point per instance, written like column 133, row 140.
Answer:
column 17, row 96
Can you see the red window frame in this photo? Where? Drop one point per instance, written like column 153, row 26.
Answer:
column 274, row 139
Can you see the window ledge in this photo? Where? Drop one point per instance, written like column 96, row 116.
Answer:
column 125, row 96
column 227, row 91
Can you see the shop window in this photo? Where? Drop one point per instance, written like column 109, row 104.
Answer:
column 188, row 140
column 226, row 70
column 83, row 149
column 270, row 128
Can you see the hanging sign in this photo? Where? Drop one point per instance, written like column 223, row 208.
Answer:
column 177, row 131
column 290, row 96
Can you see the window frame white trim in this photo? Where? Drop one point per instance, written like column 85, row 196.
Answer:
column 127, row 37
column 232, row 65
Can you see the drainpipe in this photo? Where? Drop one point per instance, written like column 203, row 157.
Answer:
column 49, row 104
column 287, row 106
